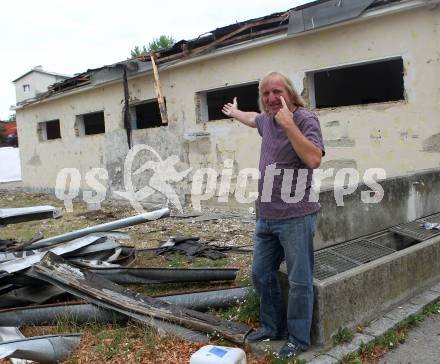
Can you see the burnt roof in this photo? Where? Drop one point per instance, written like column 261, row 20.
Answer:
column 276, row 23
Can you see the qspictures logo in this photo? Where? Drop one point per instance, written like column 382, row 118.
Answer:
column 162, row 175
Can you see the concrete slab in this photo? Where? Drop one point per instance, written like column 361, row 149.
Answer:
column 425, row 298
column 338, row 352
column 422, row 345
column 274, row 346
column 402, row 312
column 324, row 359
column 268, row 346
column 436, row 288
column 379, row 327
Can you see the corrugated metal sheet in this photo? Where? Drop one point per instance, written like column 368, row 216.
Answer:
column 326, row 13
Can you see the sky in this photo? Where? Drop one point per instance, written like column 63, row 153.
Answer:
column 72, row 36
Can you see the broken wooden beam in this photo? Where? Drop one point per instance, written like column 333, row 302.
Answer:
column 158, row 89
column 102, row 292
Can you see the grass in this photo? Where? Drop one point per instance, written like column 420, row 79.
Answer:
column 245, row 280
column 180, row 261
column 177, row 261
column 121, row 341
column 208, row 263
column 246, row 311
column 111, row 343
column 344, row 335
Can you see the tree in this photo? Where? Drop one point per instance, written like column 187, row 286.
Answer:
column 137, row 52
column 11, row 117
column 163, row 41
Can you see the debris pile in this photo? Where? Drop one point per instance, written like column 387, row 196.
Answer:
column 193, row 247
column 91, row 264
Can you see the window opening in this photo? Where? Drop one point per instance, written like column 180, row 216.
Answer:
column 90, row 124
column 380, row 81
column 49, row 130
column 211, row 102
column 146, row 115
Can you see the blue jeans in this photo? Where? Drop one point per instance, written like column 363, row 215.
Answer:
column 292, row 240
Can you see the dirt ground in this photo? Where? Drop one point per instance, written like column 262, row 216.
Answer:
column 136, row 343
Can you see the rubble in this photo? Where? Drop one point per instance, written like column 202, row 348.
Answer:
column 49, row 349
column 80, row 313
column 94, row 263
column 17, row 215
column 118, row 224
column 192, row 247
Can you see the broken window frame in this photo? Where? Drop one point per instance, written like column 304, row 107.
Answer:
column 42, row 130
column 310, row 81
column 80, row 125
column 201, row 100
column 134, row 119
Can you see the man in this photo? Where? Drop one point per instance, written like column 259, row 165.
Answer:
column 291, row 147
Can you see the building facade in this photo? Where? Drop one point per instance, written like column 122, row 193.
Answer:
column 373, row 80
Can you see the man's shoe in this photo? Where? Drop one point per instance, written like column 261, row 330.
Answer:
column 289, row 350
column 261, row 335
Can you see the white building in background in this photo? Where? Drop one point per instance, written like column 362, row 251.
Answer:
column 35, row 82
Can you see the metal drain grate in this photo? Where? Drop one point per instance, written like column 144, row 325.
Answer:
column 386, row 240
column 351, row 254
column 328, row 264
column 362, row 251
column 415, row 230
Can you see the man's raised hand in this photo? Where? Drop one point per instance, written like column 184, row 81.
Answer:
column 230, row 109
column 284, row 116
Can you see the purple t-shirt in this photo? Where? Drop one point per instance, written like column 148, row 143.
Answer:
column 288, row 196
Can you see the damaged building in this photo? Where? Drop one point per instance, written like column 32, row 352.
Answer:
column 369, row 69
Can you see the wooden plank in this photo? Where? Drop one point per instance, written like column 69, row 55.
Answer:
column 158, row 89
column 95, row 289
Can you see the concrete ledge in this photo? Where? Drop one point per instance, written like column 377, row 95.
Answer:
column 406, row 198
column 378, row 327
column 362, row 294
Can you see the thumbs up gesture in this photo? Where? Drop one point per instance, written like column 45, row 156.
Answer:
column 230, row 109
column 284, row 117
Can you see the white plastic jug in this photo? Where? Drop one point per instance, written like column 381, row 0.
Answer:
column 211, row 354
